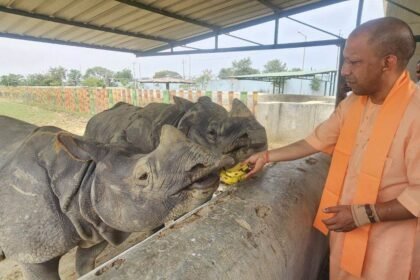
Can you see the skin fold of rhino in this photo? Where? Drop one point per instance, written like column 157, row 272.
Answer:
column 59, row 191
column 236, row 133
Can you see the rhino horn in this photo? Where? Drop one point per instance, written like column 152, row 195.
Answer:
column 183, row 103
column 239, row 109
column 170, row 135
column 77, row 148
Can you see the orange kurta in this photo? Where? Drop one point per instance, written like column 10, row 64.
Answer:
column 390, row 247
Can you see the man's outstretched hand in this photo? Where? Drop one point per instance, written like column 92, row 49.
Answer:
column 256, row 162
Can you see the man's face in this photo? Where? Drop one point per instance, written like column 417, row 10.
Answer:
column 418, row 71
column 362, row 68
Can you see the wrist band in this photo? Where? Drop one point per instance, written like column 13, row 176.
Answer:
column 360, row 217
column 375, row 214
column 369, row 213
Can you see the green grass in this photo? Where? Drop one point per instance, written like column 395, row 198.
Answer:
column 72, row 122
column 26, row 113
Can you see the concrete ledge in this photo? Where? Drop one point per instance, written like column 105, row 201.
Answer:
column 261, row 229
column 295, row 98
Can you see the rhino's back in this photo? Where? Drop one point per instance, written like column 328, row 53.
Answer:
column 32, row 227
column 13, row 133
column 129, row 124
column 103, row 126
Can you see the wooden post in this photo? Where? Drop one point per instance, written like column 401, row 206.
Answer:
column 254, row 101
column 220, row 98
column 230, row 97
column 166, row 97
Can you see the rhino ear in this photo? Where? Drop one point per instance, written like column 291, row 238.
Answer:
column 170, row 135
column 204, row 99
column 77, row 148
column 239, row 109
column 183, row 103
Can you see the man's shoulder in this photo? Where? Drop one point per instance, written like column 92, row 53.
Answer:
column 415, row 101
column 413, row 107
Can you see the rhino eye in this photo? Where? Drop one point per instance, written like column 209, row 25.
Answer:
column 212, row 133
column 143, row 176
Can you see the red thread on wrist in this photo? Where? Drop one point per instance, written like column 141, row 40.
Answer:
column 266, row 159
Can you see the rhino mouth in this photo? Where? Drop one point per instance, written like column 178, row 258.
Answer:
column 208, row 182
column 205, row 185
column 245, row 143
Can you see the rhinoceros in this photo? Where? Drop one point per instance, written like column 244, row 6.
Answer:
column 236, row 133
column 59, row 191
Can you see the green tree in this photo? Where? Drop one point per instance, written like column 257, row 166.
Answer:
column 315, row 83
column 37, row 80
column 93, row 82
column 239, row 67
column 124, row 77
column 56, row 76
column 98, row 75
column 74, row 78
column 203, row 80
column 294, row 69
column 225, row 73
column 12, row 80
column 243, row 67
column 274, row 66
column 167, row 74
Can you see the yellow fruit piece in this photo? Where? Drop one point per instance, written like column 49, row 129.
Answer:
column 235, row 174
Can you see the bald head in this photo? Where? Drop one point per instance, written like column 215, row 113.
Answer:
column 389, row 36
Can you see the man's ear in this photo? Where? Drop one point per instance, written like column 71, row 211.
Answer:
column 390, row 62
column 78, row 148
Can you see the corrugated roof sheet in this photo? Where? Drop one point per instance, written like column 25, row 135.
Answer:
column 133, row 26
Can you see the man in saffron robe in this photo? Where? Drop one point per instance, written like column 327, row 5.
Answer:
column 371, row 201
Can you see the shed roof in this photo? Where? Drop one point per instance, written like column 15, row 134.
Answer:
column 138, row 26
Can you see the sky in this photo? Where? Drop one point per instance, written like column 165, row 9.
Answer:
column 26, row 57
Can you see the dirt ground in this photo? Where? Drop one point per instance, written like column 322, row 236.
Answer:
column 10, row 270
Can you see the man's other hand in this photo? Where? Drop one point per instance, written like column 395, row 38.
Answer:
column 342, row 221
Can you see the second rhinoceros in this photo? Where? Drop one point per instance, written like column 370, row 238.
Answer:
column 236, row 133
column 59, row 191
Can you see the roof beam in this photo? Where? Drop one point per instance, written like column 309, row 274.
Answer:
column 61, row 42
column 403, row 7
column 246, row 24
column 81, row 24
column 243, row 39
column 168, row 14
column 316, row 28
column 249, row 48
column 278, row 10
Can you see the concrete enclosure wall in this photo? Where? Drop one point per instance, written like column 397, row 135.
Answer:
column 261, row 229
column 292, row 118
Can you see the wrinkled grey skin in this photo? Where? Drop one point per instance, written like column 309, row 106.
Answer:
column 236, row 133
column 59, row 191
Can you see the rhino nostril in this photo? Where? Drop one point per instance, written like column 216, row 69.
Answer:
column 244, row 136
column 197, row 167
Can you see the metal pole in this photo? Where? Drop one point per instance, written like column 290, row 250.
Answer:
column 276, row 31
column 359, row 12
column 303, row 61
column 341, row 93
